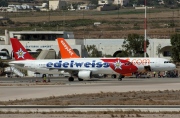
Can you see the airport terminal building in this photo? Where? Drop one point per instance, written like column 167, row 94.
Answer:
column 36, row 41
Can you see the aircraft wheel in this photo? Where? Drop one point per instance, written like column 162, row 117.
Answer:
column 120, row 77
column 71, row 79
column 80, row 79
column 113, row 76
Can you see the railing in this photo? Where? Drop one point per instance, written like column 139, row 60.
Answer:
column 14, row 70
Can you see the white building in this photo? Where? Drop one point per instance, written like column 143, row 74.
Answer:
column 46, row 40
column 103, row 2
column 56, row 4
column 44, row 5
column 116, row 2
column 26, row 6
column 121, row 2
column 11, row 8
column 114, row 46
column 161, row 2
column 83, row 7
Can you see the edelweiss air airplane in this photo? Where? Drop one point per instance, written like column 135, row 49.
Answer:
column 83, row 67
column 148, row 64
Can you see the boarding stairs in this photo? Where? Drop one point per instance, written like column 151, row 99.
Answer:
column 14, row 70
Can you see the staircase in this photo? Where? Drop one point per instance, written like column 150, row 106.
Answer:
column 14, row 70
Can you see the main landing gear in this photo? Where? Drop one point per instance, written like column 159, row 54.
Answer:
column 113, row 76
column 120, row 77
column 71, row 79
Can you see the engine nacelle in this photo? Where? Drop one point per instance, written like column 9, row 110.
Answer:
column 85, row 74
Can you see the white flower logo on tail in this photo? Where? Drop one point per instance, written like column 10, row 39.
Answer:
column 20, row 53
column 117, row 65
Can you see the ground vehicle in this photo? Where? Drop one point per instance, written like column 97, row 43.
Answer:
column 4, row 55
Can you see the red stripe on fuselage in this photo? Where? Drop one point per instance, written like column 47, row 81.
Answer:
column 121, row 66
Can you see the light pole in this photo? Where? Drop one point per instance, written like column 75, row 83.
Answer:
column 63, row 20
column 57, row 28
column 118, row 8
column 83, row 24
column 145, row 27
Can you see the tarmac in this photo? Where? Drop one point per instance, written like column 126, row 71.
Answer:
column 27, row 88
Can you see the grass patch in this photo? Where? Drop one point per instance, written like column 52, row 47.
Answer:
column 167, row 97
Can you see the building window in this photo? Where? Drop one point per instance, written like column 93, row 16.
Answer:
column 167, row 54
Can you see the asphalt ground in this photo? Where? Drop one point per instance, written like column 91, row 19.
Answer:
column 28, row 87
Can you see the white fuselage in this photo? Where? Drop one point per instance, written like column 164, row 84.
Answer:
column 96, row 65
column 156, row 64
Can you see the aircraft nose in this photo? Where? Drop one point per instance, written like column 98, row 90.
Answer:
column 173, row 66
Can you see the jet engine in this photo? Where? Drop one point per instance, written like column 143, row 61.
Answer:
column 85, row 74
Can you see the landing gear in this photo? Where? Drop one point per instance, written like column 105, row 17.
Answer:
column 120, row 77
column 113, row 76
column 71, row 79
column 80, row 79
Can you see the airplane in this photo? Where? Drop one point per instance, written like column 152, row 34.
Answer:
column 148, row 64
column 83, row 67
column 86, row 67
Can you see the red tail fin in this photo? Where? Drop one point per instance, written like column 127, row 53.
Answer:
column 66, row 50
column 20, row 53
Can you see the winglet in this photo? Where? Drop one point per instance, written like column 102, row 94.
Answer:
column 20, row 53
column 65, row 50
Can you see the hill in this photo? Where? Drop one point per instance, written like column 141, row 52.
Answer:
column 161, row 23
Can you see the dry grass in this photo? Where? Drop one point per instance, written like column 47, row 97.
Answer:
column 168, row 97
column 118, row 113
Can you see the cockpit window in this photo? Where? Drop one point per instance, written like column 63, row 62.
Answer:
column 167, row 62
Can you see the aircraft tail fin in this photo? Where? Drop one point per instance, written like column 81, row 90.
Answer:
column 20, row 53
column 65, row 50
